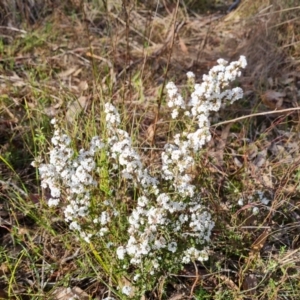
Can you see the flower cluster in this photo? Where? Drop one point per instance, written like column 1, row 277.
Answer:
column 167, row 217
column 121, row 152
column 72, row 174
column 164, row 226
column 161, row 221
column 209, row 95
column 206, row 97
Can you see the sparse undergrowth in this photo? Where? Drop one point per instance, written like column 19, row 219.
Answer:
column 247, row 174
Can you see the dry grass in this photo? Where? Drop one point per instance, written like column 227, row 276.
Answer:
column 52, row 54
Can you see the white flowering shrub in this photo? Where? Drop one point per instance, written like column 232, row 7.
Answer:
column 165, row 224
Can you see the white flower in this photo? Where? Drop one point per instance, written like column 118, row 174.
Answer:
column 105, row 218
column 103, row 231
column 86, row 237
column 136, row 277
column 121, row 252
column 255, row 210
column 53, row 202
column 265, row 201
column 143, row 201
column 262, row 199
column 243, row 61
column 109, row 245
column 126, row 290
column 193, row 254
column 241, row 202
column 75, row 226
column 175, row 114
column 112, row 116
column 155, row 264
column 222, row 62
column 160, row 243
column 172, row 247
column 190, row 74
column 156, row 216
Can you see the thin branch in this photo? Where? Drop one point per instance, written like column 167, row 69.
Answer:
column 257, row 114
